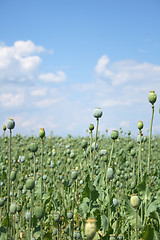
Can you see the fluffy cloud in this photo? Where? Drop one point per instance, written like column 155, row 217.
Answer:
column 11, row 100
column 53, row 78
column 17, row 62
column 126, row 71
column 20, row 63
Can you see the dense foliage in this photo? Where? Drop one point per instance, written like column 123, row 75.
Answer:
column 93, row 187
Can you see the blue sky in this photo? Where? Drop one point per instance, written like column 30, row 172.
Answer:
column 61, row 59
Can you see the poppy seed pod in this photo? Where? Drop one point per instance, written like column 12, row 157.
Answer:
column 13, row 208
column 97, row 113
column 74, row 174
column 114, row 134
column 41, row 133
column 33, row 147
column 152, row 97
column 90, row 228
column 30, row 184
column 4, row 128
column 135, row 201
column 70, row 215
column 2, row 201
column 112, row 237
column 13, row 175
column 39, row 212
column 27, row 216
column 110, row 173
column 140, row 125
column 91, row 127
column 120, row 237
column 10, row 123
column 56, row 217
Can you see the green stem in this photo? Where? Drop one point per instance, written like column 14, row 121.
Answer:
column 136, row 224
column 41, row 230
column 140, row 158
column 41, row 169
column 9, row 180
column 34, row 167
column 95, row 148
column 31, row 210
column 111, row 154
column 149, row 145
column 91, row 161
column 13, row 191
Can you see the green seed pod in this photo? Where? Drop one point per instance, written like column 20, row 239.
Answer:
column 84, row 144
column 56, row 216
column 91, row 127
column 114, row 134
column 90, row 228
column 30, row 184
column 129, row 133
column 2, row 201
column 97, row 113
column 152, row 97
column 41, row 133
column 10, row 123
column 133, row 184
column 135, row 201
column 13, row 175
column 70, row 215
column 20, row 187
column 112, row 237
column 140, row 125
column 120, row 237
column 130, row 145
column 27, row 216
column 33, row 147
column 110, row 174
column 39, row 212
column 4, row 128
column 74, row 175
column 133, row 152
column 138, row 138
column 55, row 231
column 13, row 208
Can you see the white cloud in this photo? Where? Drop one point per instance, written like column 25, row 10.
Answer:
column 47, row 102
column 25, row 48
column 39, row 92
column 124, row 124
column 126, row 71
column 20, row 63
column 11, row 100
column 17, row 62
column 53, row 78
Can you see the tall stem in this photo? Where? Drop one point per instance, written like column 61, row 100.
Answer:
column 111, row 154
column 140, row 158
column 136, row 224
column 95, row 147
column 41, row 169
column 149, row 145
column 9, row 171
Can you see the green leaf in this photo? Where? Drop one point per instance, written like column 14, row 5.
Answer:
column 150, row 233
column 104, row 223
column 90, row 190
column 152, row 207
